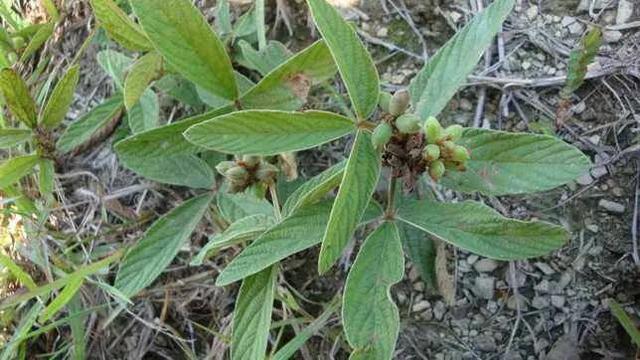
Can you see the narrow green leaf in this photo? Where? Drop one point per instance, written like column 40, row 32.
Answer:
column 288, row 351
column 315, row 189
column 184, row 38
column 579, row 60
column 481, row 230
column 27, row 320
column 288, row 85
column 23, row 277
column 73, row 285
column 12, row 137
column 252, row 315
column 145, row 114
column 164, row 155
column 357, row 185
column 77, row 325
column 115, row 64
column 298, row 232
column 245, row 229
column 46, row 177
column 51, row 9
column 60, row 99
column 223, row 17
column 119, row 26
column 513, row 163
column 354, row 62
column 626, row 322
column 83, row 129
column 448, row 69
column 140, row 75
column 16, row 168
column 266, row 132
column 234, row 207
column 159, row 245
column 265, row 60
column 370, row 318
column 16, row 95
column 41, row 36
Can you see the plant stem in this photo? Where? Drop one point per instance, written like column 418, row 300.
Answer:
column 274, row 199
column 391, row 197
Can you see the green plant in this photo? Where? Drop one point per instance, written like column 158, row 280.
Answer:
column 260, row 124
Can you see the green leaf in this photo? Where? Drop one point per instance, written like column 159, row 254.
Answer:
column 422, row 252
column 16, row 95
column 357, row 186
column 481, row 230
column 119, row 26
column 46, row 177
column 288, row 85
column 215, row 101
column 51, row 9
column 354, row 62
column 77, row 324
column 23, row 277
column 164, row 155
column 12, row 137
column 115, row 64
column 267, row 132
column 159, row 245
column 27, row 320
column 177, row 87
column 448, row 69
column 74, row 284
column 252, row 315
column 223, row 17
column 288, row 351
column 145, row 114
column 184, row 38
column 83, row 129
column 265, row 60
column 60, row 99
column 242, row 230
column 140, row 75
column 579, row 60
column 41, row 36
column 370, row 318
column 315, row 189
column 513, row 163
column 234, row 207
column 626, row 322
column 298, row 232
column 16, row 168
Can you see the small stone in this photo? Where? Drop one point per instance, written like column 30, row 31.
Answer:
column 585, row 179
column 485, row 265
column 576, row 28
column 420, row 306
column 558, row 301
column 439, row 310
column 611, row 206
column 579, row 108
column 540, row 345
column 543, row 286
column 486, row 343
column 484, row 287
column 532, row 12
column 612, row 36
column 595, row 139
column 593, row 228
column 471, row 259
column 599, row 171
column 455, row 16
column 512, row 302
column 382, row 32
column 466, row 105
column 540, row 302
column 567, row 20
column 419, row 286
column 545, row 268
column 526, row 65
column 625, row 11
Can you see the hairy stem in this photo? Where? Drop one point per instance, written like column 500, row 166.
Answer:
column 391, row 197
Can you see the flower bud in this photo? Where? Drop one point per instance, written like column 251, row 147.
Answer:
column 448, row 147
column 237, row 174
column 266, row 172
column 224, row 166
column 436, row 170
column 399, row 103
column 408, row 124
column 460, row 154
column 433, row 130
column 251, row 160
column 381, row 135
column 431, row 152
column 453, row 132
column 384, row 101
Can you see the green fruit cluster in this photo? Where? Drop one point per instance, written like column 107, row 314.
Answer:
column 246, row 172
column 441, row 152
